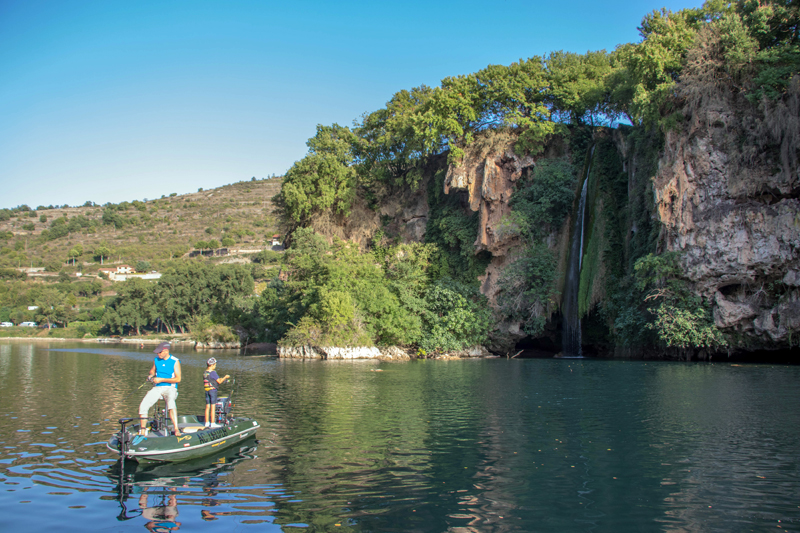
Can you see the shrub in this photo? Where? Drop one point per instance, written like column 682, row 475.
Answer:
column 267, row 257
column 544, row 202
column 456, row 318
column 686, row 328
column 87, row 327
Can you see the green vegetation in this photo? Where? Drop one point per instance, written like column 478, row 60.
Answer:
column 749, row 48
column 339, row 296
column 682, row 319
column 58, row 302
column 186, row 291
column 452, row 227
column 540, row 205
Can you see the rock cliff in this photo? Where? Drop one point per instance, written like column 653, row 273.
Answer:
column 727, row 193
column 490, row 173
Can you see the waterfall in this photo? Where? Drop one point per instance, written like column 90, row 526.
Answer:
column 571, row 332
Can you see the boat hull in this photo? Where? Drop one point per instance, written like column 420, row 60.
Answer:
column 171, row 449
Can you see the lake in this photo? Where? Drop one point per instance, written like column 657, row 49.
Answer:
column 469, row 445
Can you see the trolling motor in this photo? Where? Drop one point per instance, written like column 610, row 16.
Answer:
column 125, row 437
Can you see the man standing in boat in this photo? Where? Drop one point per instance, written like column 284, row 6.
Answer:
column 165, row 375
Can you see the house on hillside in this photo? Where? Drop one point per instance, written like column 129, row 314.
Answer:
column 123, row 272
column 276, row 240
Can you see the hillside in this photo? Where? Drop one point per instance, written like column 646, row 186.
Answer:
column 152, row 230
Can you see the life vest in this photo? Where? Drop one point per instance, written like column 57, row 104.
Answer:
column 209, row 383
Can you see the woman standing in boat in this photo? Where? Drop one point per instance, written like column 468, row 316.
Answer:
column 165, row 375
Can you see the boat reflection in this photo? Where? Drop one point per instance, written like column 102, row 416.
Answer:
column 156, row 487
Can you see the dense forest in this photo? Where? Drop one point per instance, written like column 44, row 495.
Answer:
column 468, row 265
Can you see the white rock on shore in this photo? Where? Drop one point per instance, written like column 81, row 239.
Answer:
column 393, row 353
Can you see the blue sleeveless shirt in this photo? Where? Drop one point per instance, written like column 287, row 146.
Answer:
column 165, row 368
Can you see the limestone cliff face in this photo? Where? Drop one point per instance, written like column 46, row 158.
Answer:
column 488, row 176
column 727, row 194
column 406, row 210
column 489, row 179
column 489, row 173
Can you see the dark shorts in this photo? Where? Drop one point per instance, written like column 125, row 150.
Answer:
column 211, row 397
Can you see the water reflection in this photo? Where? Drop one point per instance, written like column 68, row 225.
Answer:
column 157, row 487
column 489, row 445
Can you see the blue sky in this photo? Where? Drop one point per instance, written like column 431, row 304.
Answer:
column 110, row 100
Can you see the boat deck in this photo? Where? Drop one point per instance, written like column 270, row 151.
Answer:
column 186, row 423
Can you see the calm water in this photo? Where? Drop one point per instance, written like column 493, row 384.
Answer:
column 487, row 445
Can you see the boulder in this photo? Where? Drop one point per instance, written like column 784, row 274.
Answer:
column 727, row 313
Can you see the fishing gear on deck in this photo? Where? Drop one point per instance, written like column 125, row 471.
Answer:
column 224, row 405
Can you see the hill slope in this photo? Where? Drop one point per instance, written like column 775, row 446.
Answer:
column 152, row 231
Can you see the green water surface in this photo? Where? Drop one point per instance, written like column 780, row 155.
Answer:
column 476, row 445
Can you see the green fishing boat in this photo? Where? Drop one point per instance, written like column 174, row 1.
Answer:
column 160, row 445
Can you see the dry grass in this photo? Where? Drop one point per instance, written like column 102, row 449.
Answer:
column 165, row 229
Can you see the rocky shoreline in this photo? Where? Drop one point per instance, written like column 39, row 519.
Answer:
column 383, row 353
column 386, row 353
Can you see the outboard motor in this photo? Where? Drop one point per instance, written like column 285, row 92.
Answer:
column 223, row 409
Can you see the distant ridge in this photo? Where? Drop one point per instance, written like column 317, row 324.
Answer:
column 241, row 214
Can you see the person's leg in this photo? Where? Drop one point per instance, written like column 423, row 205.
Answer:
column 212, row 396
column 148, row 401
column 174, row 417
column 208, row 410
column 169, row 396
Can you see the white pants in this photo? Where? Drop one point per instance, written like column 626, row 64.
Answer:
column 168, row 393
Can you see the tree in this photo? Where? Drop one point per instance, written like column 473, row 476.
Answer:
column 102, row 251
column 545, row 201
column 456, row 318
column 577, row 87
column 196, row 288
column 682, row 319
column 51, row 305
column 652, row 67
column 391, row 148
column 134, row 305
column 324, row 179
column 75, row 252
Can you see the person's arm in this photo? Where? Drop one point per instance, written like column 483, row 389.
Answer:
column 152, row 373
column 176, row 379
column 223, row 379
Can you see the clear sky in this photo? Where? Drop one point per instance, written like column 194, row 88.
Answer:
column 124, row 100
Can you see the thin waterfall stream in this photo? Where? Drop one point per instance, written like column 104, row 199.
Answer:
column 571, row 332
